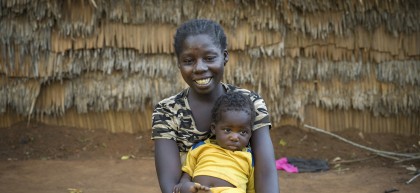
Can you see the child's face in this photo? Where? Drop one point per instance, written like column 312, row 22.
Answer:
column 201, row 63
column 233, row 130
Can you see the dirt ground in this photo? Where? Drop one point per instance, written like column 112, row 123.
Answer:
column 48, row 159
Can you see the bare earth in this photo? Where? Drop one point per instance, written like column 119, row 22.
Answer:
column 48, row 159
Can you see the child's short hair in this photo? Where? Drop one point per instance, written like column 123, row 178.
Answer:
column 197, row 27
column 233, row 101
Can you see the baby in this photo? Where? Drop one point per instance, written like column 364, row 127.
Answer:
column 224, row 162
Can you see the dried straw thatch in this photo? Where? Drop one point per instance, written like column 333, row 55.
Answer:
column 105, row 63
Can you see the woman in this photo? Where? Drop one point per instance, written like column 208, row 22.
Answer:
column 184, row 119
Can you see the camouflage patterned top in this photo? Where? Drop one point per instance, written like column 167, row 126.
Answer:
column 172, row 118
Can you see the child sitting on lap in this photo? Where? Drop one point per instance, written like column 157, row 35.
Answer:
column 223, row 164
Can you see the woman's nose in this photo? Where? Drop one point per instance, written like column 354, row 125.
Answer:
column 200, row 66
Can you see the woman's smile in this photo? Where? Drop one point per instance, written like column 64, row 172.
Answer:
column 203, row 82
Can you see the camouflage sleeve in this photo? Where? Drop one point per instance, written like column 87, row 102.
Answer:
column 163, row 123
column 262, row 118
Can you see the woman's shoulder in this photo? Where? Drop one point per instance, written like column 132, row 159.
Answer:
column 174, row 99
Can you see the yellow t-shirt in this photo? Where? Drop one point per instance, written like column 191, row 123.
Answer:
column 208, row 159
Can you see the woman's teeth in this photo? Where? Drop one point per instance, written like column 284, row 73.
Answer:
column 203, row 81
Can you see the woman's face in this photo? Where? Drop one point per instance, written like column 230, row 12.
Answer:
column 201, row 63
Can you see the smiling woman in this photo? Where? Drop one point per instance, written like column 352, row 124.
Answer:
column 184, row 119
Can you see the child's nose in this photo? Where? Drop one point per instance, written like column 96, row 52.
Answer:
column 234, row 137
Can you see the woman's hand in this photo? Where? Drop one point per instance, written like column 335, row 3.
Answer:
column 177, row 188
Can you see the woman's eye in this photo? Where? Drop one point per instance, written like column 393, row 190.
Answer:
column 210, row 58
column 187, row 61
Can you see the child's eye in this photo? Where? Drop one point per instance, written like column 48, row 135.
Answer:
column 227, row 130
column 244, row 132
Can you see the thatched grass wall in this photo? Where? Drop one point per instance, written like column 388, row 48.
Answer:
column 105, row 63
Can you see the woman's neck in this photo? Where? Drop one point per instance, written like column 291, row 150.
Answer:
column 210, row 97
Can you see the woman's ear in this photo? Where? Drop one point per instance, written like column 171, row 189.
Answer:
column 225, row 56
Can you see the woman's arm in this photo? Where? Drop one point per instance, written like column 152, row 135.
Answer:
column 265, row 174
column 167, row 164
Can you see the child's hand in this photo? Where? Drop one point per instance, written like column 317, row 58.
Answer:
column 191, row 187
column 201, row 189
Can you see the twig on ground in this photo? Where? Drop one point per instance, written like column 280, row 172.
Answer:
column 387, row 154
column 413, row 178
column 391, row 190
column 408, row 159
column 353, row 161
